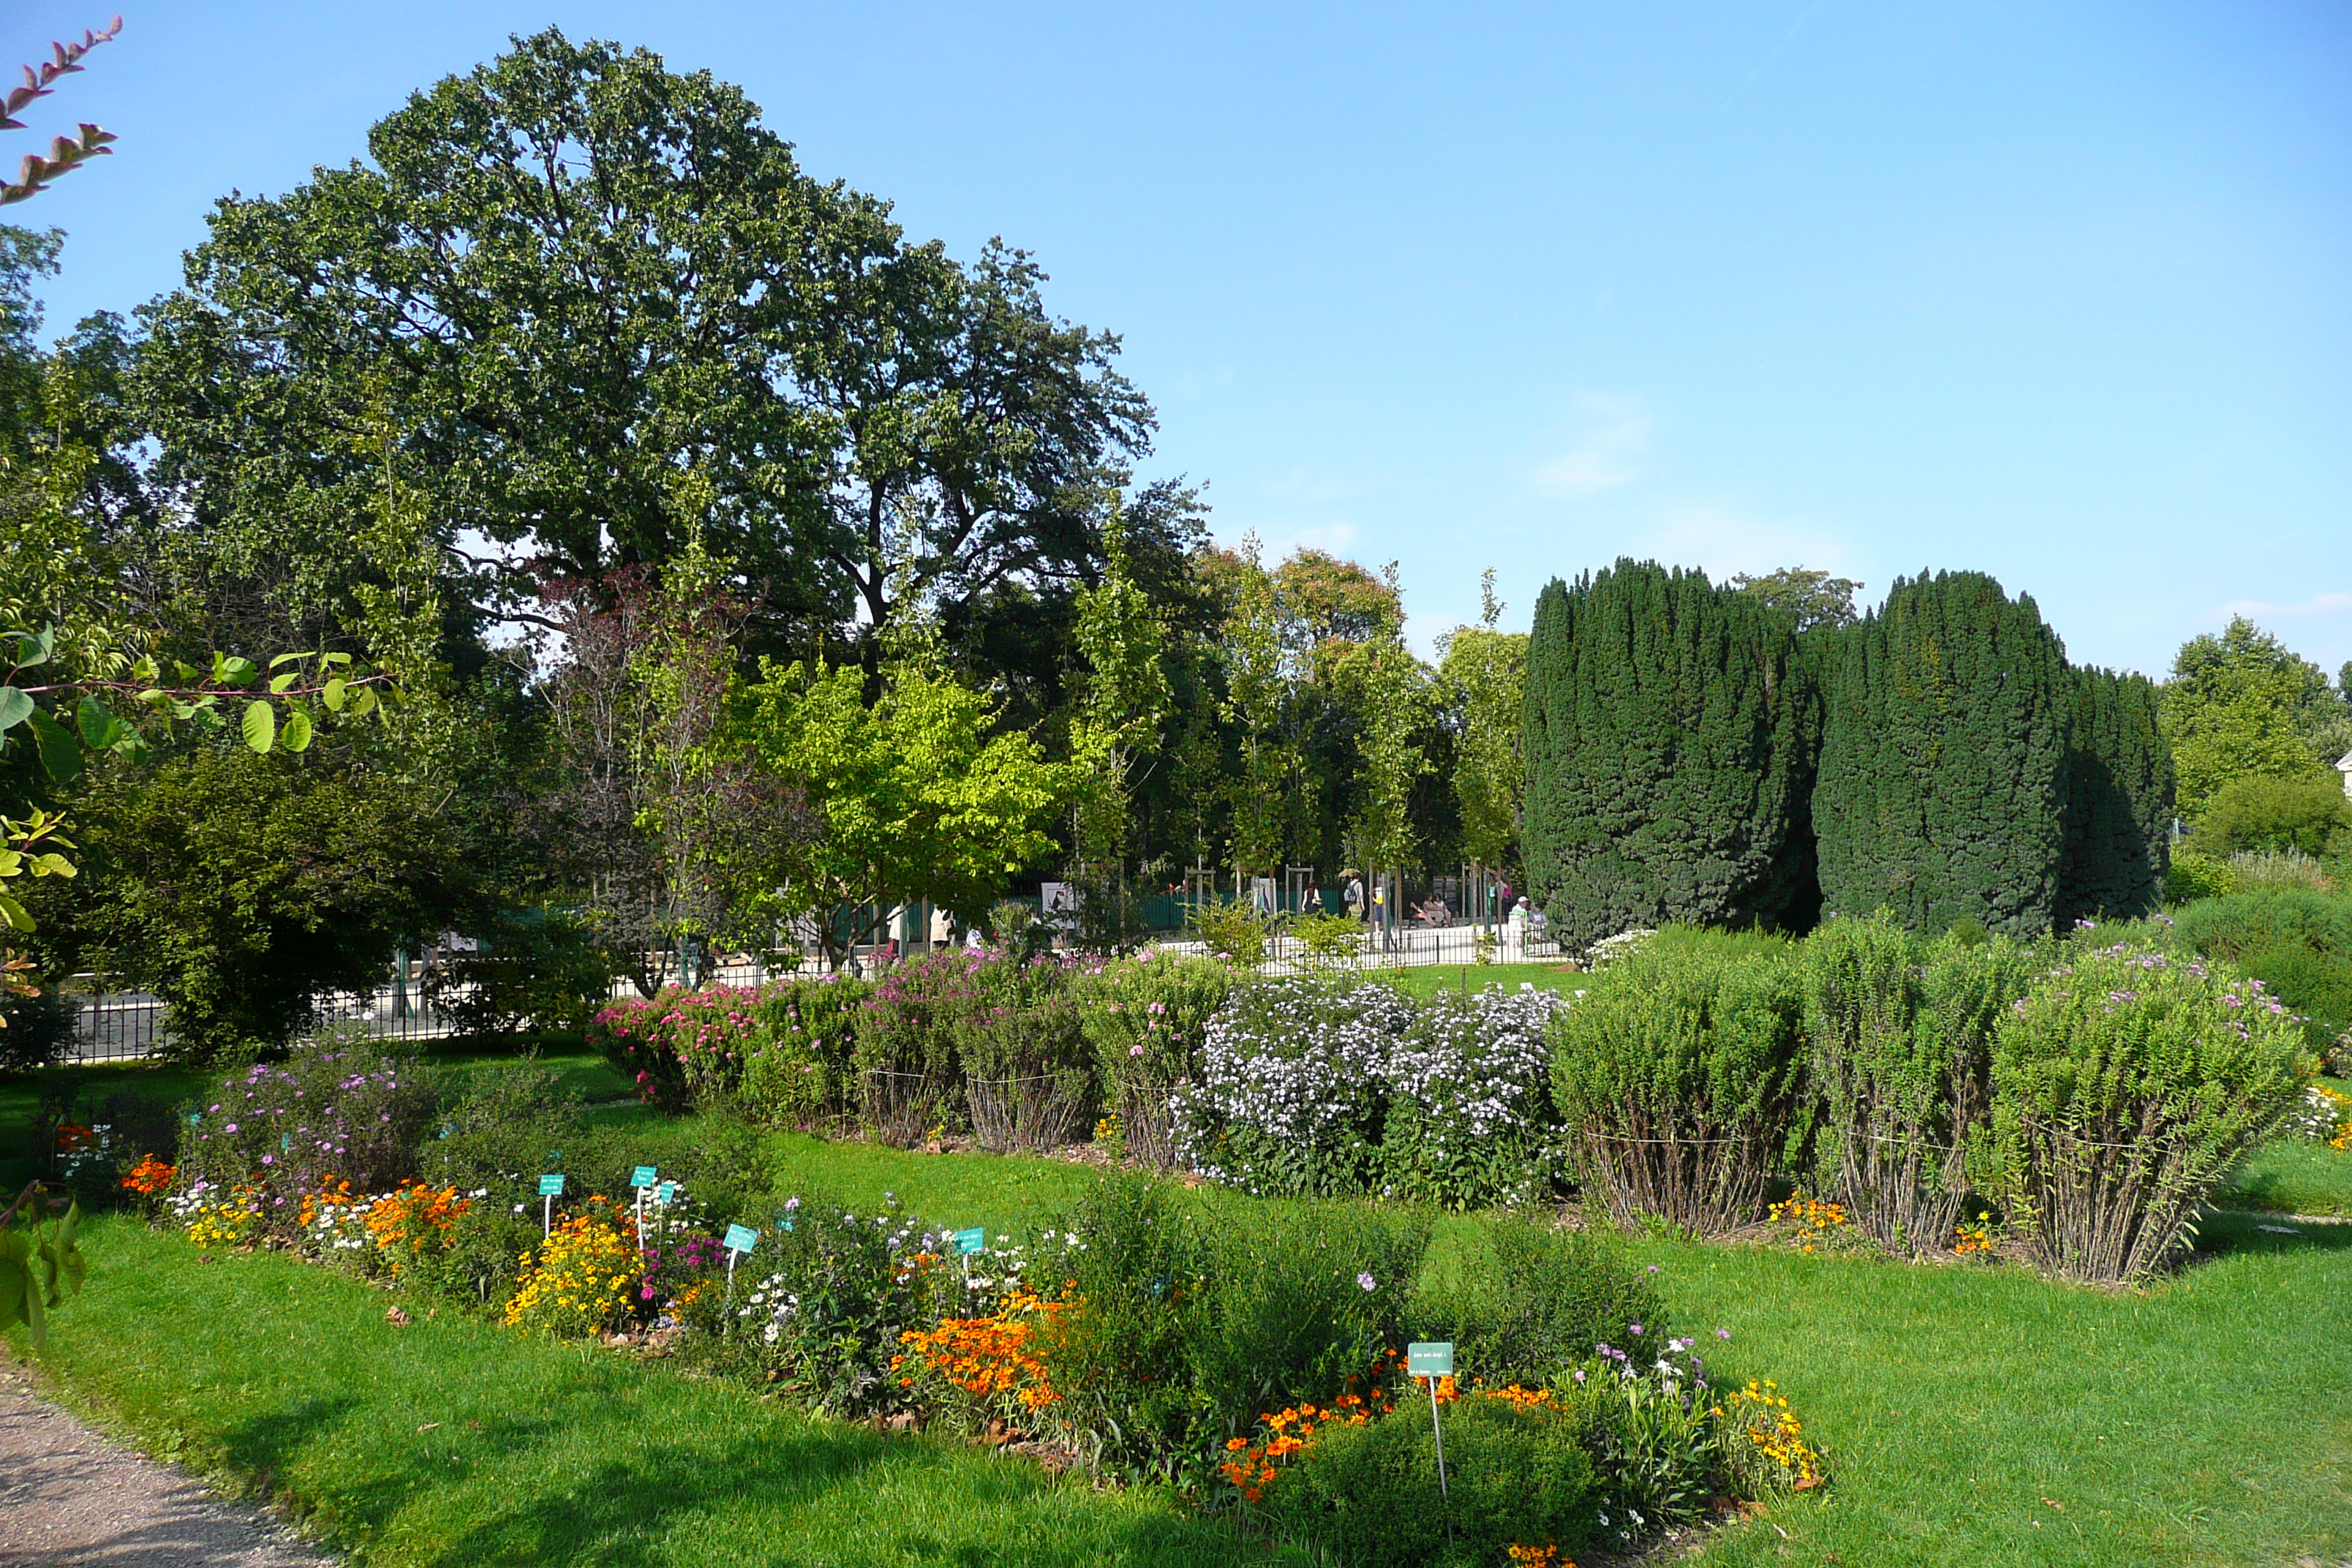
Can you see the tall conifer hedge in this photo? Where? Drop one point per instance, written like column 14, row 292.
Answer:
column 1942, row 785
column 1669, row 738
column 2119, row 799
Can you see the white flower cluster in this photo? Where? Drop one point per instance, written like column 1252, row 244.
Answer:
column 1302, row 1063
column 2322, row 1115
column 1313, row 1067
column 1478, row 1065
column 1610, row 949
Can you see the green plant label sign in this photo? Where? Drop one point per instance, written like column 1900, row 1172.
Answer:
column 972, row 1240
column 666, row 1192
column 550, row 1186
column 644, row 1176
column 1430, row 1358
column 740, row 1237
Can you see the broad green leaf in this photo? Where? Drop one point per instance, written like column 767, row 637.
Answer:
column 15, row 913
column 363, row 701
column 333, row 695
column 334, row 660
column 99, row 728
column 297, row 734
column 286, row 658
column 61, row 752
column 278, row 683
column 53, row 864
column 35, row 649
column 14, row 707
column 16, row 1282
column 260, row 725
column 235, row 670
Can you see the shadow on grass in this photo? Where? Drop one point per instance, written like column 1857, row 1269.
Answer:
column 2236, row 1231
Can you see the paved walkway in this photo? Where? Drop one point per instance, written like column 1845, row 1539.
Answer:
column 70, row 1498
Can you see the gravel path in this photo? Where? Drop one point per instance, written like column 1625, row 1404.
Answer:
column 70, row 1498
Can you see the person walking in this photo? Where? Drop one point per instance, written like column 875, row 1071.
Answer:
column 1351, row 882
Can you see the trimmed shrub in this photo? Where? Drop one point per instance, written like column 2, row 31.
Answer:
column 1524, row 1302
column 1292, row 1092
column 2126, row 1085
column 1901, row 1037
column 1470, row 1121
column 910, row 1078
column 1943, row 762
column 2296, row 942
column 2306, row 814
column 1027, row 1072
column 2119, row 801
column 1675, row 1075
column 797, row 1072
column 2194, row 876
column 1517, row 1474
column 1147, row 1018
column 1670, row 733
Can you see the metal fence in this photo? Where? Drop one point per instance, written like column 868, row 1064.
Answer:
column 126, row 1026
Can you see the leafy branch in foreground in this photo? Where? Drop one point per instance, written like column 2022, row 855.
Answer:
column 65, row 152
column 41, row 1263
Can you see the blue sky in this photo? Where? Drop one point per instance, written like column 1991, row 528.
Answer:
column 2053, row 291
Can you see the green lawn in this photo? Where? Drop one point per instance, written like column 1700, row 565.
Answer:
column 454, row 1442
column 2206, row 1420
column 1420, row 981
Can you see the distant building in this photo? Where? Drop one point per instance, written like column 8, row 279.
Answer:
column 2344, row 766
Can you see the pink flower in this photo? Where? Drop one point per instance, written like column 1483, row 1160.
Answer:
column 1131, row 1051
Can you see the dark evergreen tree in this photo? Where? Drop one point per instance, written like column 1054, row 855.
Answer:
column 1669, row 738
column 1942, row 785
column 2119, row 797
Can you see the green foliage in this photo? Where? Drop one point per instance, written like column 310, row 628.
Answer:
column 1901, row 1034
column 1815, row 599
column 1146, row 1019
column 1483, row 674
column 920, row 801
column 1233, row 932
column 1514, row 1476
column 2308, row 813
column 1676, row 1076
column 240, row 888
column 2296, row 942
column 1525, row 1302
column 338, row 1107
column 2119, row 801
column 1670, row 729
column 536, row 969
column 909, row 1074
column 796, row 1061
column 1028, row 1072
column 41, row 1259
column 2195, row 876
column 2126, row 1086
column 661, row 333
column 35, row 1030
column 2242, row 705
column 1943, row 761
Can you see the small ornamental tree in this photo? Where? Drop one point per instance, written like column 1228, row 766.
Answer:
column 1669, row 738
column 1941, row 793
column 2119, row 798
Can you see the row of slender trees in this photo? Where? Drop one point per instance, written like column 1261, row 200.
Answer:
column 1697, row 752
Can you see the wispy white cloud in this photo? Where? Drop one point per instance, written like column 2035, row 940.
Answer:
column 1600, row 448
column 2256, row 610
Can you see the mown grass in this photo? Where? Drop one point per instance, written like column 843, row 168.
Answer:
column 1975, row 1414
column 454, row 1442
